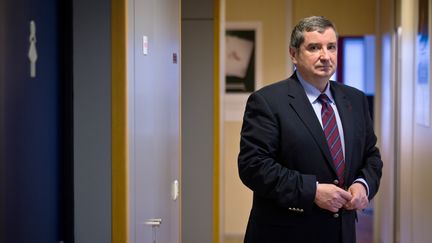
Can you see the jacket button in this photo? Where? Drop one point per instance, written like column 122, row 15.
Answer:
column 336, row 215
column 336, row 182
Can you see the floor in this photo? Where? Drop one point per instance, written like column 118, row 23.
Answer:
column 365, row 226
column 364, row 229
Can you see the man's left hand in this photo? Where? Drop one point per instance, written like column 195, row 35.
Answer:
column 359, row 200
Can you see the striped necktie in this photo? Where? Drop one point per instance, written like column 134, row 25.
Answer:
column 332, row 135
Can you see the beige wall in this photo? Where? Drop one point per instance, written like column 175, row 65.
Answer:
column 237, row 197
column 351, row 18
column 273, row 18
column 354, row 17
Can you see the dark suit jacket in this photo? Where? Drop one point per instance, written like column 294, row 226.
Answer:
column 283, row 153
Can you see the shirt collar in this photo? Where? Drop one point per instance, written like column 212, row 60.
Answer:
column 311, row 92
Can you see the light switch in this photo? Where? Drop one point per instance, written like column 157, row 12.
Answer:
column 145, row 45
column 175, row 190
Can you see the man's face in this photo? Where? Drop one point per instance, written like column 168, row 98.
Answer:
column 316, row 59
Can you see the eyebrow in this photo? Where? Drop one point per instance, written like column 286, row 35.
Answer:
column 319, row 44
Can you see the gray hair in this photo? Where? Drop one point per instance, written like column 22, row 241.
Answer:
column 309, row 24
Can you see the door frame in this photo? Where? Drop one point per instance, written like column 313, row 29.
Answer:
column 65, row 30
column 120, row 223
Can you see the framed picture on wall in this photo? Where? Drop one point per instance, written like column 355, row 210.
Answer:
column 242, row 65
column 422, row 97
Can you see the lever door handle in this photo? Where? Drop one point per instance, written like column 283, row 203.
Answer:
column 153, row 222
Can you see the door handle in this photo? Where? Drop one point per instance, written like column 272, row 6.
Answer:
column 175, row 190
column 153, row 222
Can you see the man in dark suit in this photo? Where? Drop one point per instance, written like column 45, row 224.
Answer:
column 308, row 150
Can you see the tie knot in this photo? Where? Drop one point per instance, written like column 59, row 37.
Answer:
column 323, row 99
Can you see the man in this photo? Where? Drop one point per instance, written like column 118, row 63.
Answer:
column 308, row 149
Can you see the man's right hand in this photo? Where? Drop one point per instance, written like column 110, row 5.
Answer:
column 331, row 197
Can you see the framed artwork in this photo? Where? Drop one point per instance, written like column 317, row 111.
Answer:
column 422, row 97
column 242, row 65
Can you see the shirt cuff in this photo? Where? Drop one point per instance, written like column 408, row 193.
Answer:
column 364, row 183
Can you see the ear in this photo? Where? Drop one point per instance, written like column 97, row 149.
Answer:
column 293, row 55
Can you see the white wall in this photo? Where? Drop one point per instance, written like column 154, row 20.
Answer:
column 404, row 200
column 415, row 140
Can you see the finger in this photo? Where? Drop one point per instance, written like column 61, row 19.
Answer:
column 348, row 207
column 357, row 203
column 353, row 206
column 347, row 198
column 342, row 201
column 362, row 203
column 334, row 210
column 353, row 203
column 346, row 195
column 365, row 204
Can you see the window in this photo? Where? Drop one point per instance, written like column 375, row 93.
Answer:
column 356, row 64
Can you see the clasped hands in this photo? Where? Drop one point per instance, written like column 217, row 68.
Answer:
column 333, row 198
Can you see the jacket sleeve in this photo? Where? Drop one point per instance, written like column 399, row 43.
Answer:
column 372, row 169
column 257, row 162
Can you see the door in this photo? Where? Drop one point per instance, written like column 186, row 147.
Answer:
column 31, row 122
column 155, row 116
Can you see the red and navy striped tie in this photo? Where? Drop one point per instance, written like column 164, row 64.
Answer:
column 332, row 135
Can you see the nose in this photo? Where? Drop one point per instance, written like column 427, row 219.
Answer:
column 324, row 54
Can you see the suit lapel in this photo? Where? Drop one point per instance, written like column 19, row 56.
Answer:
column 301, row 105
column 344, row 107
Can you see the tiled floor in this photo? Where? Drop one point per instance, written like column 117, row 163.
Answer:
column 364, row 229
